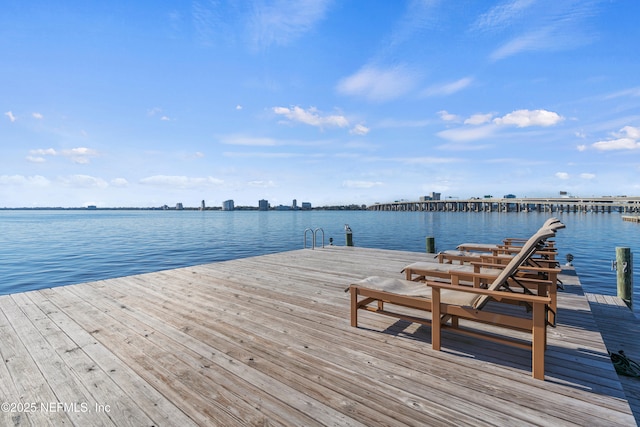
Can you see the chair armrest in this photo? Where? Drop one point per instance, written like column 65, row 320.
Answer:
column 497, row 295
column 539, row 269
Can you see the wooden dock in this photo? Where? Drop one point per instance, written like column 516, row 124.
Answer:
column 266, row 341
column 631, row 218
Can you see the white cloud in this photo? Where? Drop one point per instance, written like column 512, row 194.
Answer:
column 361, row 184
column 80, row 151
column 502, row 15
column 617, row 144
column 539, row 25
column 311, row 117
column 34, row 159
column 37, row 116
column 180, row 181
column 428, row 160
column 581, row 134
column 632, row 92
column 280, row 22
column 527, row 118
column 37, row 155
column 359, row 130
column 562, row 175
column 248, row 140
column 448, row 117
column 629, row 132
column 119, row 182
column 449, row 88
column 43, row 152
column 378, row 84
column 626, row 139
column 479, row 119
column 35, row 180
column 261, row 154
column 261, row 184
column 238, row 107
column 467, row 133
column 10, row 115
column 395, row 123
column 83, row 181
column 581, row 147
column 80, row 155
column 536, row 40
column 587, row 175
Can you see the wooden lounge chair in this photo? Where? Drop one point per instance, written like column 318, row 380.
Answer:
column 449, row 303
column 529, row 277
column 510, row 244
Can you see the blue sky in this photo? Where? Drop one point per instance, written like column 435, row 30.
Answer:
column 146, row 103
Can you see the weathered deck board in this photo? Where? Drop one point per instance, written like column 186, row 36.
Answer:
column 621, row 331
column 266, row 340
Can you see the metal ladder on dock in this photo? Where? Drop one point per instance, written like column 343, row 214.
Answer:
column 314, row 234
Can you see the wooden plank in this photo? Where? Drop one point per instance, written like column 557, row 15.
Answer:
column 111, row 382
column 28, row 380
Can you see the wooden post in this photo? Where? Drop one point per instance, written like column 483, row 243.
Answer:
column 431, row 245
column 624, row 268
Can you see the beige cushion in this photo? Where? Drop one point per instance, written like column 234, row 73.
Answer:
column 464, row 253
column 416, row 289
column 424, row 268
column 487, row 246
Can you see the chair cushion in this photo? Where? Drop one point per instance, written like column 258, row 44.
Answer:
column 415, row 289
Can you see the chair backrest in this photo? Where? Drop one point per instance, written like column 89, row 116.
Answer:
column 518, row 259
column 549, row 221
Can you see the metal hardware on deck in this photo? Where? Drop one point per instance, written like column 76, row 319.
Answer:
column 314, row 234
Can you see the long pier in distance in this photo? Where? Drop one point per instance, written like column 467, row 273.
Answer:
column 604, row 204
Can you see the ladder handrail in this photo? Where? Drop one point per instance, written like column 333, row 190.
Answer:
column 314, row 234
column 313, row 242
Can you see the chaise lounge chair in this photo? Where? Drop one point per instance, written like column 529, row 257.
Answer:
column 529, row 277
column 510, row 244
column 449, row 303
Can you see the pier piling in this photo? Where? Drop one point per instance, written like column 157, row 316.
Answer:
column 431, row 245
column 624, row 269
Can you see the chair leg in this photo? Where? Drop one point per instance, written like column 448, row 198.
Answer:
column 436, row 327
column 354, row 306
column 538, row 341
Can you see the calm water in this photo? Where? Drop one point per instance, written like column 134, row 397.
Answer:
column 40, row 249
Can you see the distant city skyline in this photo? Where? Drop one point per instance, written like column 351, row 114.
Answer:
column 142, row 104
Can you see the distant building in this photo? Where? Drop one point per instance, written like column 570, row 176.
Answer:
column 294, row 205
column 92, row 207
column 179, row 206
column 263, row 205
column 509, row 196
column 227, row 205
column 202, row 206
column 431, row 196
column 306, row 206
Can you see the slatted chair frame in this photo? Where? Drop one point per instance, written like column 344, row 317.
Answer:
column 450, row 302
